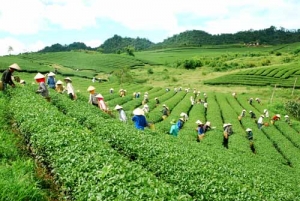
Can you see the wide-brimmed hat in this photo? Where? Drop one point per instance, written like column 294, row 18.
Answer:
column 39, row 76
column 91, row 88
column 181, row 119
column 173, row 121
column 138, row 111
column 198, row 122
column 67, row 78
column 286, row 116
column 208, row 123
column 118, row 107
column 15, row 66
column 250, row 111
column 182, row 114
column 164, row 105
column 22, row 81
column 155, row 98
column 248, row 129
column 99, row 96
column 59, row 82
column 228, row 124
column 51, row 74
column 263, row 116
column 256, row 98
column 244, row 110
column 277, row 115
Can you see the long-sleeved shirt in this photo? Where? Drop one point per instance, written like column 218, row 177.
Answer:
column 51, row 82
column 140, row 121
column 174, row 130
column 43, row 89
column 6, row 77
column 122, row 116
column 70, row 89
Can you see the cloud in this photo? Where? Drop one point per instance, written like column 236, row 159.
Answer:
column 16, row 45
column 93, row 43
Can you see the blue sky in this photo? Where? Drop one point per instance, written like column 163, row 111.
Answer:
column 30, row 25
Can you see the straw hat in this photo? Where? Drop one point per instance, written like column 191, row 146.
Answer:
column 263, row 116
column 225, row 125
column 248, row 129
column 15, row 66
column 250, row 111
column 208, row 123
column 181, row 119
column 244, row 110
column 198, row 122
column 118, row 107
column 286, row 116
column 164, row 105
column 91, row 88
column 22, row 81
column 277, row 115
column 99, row 96
column 173, row 121
column 138, row 111
column 155, row 98
column 182, row 114
column 39, row 76
column 59, row 82
column 51, row 74
column 67, row 78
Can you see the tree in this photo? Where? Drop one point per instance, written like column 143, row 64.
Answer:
column 129, row 50
column 10, row 49
column 123, row 75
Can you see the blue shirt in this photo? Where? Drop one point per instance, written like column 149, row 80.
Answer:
column 140, row 121
column 200, row 131
column 179, row 124
column 51, row 82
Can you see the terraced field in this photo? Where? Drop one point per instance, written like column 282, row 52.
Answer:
column 92, row 155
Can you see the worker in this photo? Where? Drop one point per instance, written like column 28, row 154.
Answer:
column 92, row 98
column 139, row 119
column 275, row 118
column 51, row 80
column 59, row 86
column 122, row 114
column 260, row 121
column 43, row 90
column 7, row 76
column 200, row 131
column 252, row 115
column 174, row 128
column 165, row 111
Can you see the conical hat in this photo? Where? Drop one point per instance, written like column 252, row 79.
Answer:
column 51, row 74
column 39, row 76
column 67, row 78
column 138, row 111
column 15, row 66
column 118, row 107
column 99, row 96
column 91, row 88
column 59, row 82
column 198, row 122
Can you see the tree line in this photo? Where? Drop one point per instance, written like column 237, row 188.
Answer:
column 192, row 38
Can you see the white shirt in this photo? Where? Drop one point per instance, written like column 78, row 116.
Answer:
column 260, row 120
column 70, row 88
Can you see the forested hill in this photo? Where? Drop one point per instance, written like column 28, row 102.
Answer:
column 269, row 36
column 118, row 44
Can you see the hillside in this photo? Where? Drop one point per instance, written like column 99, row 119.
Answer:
column 191, row 38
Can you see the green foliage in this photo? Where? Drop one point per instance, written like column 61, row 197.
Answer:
column 293, row 108
column 278, row 53
column 150, row 71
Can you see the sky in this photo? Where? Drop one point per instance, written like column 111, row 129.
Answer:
column 31, row 25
